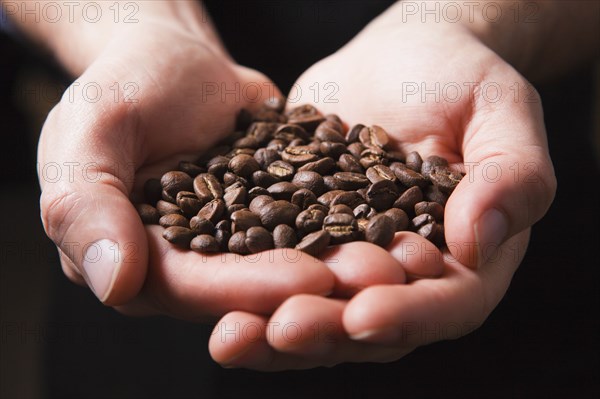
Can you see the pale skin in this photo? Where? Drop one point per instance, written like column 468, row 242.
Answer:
column 358, row 316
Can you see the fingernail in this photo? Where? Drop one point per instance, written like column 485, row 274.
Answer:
column 101, row 263
column 382, row 336
column 490, row 231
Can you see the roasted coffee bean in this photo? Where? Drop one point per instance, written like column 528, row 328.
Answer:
column 205, row 243
column 258, row 239
column 283, row 190
column 356, row 149
column 445, row 179
column 235, row 196
column 237, row 243
column 306, row 116
column 372, row 156
column 269, row 115
column 217, row 166
column 431, row 162
column 246, row 142
column 362, row 227
column 166, row 208
column 380, row 230
column 363, row 192
column 309, row 221
column 330, row 131
column 148, row 213
column 347, row 163
column 320, row 207
column 259, row 202
column 296, row 143
column 207, row 187
column 229, row 179
column 262, row 132
column 434, row 194
column 341, row 227
column 174, row 219
column 419, row 221
column 350, row 198
column 266, row 157
column 278, row 212
column 189, row 203
column 414, row 161
column 303, row 198
column 428, row 231
column 408, row 177
column 326, row 198
column 409, row 199
column 290, row 132
column 224, row 225
column 298, row 156
column 394, row 156
column 281, row 170
column 190, row 168
column 284, row 236
column 243, row 220
column 309, row 180
column 180, row 236
column 335, row 118
column 353, row 133
column 330, row 183
column 361, row 211
column 233, row 187
column 256, row 191
column 152, row 191
column 243, row 165
column 350, row 181
column 240, row 151
column 322, row 166
column 399, row 217
column 277, row 145
column 330, row 149
column 340, row 208
column 213, row 210
column 264, row 179
column 201, row 226
column 234, row 208
column 315, row 243
column 222, row 237
column 432, row 208
column 373, row 136
column 380, row 172
column 175, row 181
column 166, row 197
column 382, row 194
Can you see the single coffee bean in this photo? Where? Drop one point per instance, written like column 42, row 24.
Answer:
column 224, row 225
column 277, row 145
column 284, row 236
column 234, row 208
column 408, row 177
column 166, row 208
column 278, row 212
column 235, row 196
column 148, row 213
column 311, row 181
column 256, row 192
column 189, row 203
column 340, row 208
column 152, row 191
column 319, row 207
column 432, row 208
column 445, row 179
column 180, row 236
column 414, row 161
column 240, row 151
column 303, row 198
column 205, row 243
column 434, row 194
column 380, row 172
column 174, row 219
column 322, row 166
column 265, row 157
column 431, row 162
column 229, row 179
column 315, row 243
column 243, row 165
column 246, row 142
column 428, row 231
column 362, row 227
column 382, row 194
column 373, row 136
column 269, row 115
column 262, row 132
column 353, row 133
column 175, row 181
column 361, row 211
column 258, row 239
column 309, row 221
column 237, row 243
column 201, row 226
column 399, row 217
column 281, row 170
column 350, row 198
column 190, row 168
column 335, row 118
column 259, row 202
column 167, row 197
column 330, row 183
column 298, row 156
column 290, row 132
column 356, row 149
column 217, row 166
column 222, row 237
column 306, row 116
column 296, row 143
column 350, row 181
column 213, row 210
column 409, row 199
column 207, row 187
column 329, row 196
column 342, row 228
column 331, row 149
column 263, row 179
column 372, row 156
column 283, row 190
column 380, row 230
column 419, row 221
column 244, row 219
column 330, row 131
column 347, row 163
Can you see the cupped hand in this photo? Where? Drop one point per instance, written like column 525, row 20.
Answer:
column 437, row 90
column 155, row 95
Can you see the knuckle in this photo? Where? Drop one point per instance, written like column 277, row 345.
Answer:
column 59, row 209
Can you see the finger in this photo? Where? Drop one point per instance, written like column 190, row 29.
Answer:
column 431, row 310
column 510, row 180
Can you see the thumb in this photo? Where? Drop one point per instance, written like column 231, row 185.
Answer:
column 509, row 184
column 86, row 173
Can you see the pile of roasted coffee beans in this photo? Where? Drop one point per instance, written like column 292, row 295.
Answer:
column 299, row 180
